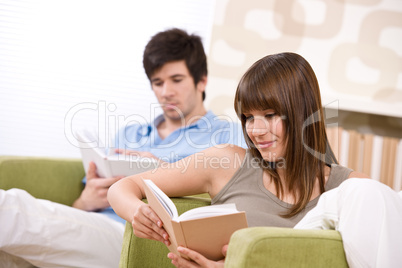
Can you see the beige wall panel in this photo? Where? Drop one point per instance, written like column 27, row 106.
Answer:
column 354, row 46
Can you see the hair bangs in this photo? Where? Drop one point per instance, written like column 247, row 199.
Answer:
column 255, row 94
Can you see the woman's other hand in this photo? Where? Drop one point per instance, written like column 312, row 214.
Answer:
column 146, row 224
column 196, row 259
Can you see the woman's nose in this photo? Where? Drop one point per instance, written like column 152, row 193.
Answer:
column 260, row 126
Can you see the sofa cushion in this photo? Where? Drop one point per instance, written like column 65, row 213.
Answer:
column 57, row 180
column 285, row 247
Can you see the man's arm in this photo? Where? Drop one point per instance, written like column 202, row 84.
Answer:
column 94, row 195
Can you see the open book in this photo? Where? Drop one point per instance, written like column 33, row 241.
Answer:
column 107, row 163
column 204, row 229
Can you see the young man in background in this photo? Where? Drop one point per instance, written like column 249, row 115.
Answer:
column 175, row 63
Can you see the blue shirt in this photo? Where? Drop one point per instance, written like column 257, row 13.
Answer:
column 206, row 132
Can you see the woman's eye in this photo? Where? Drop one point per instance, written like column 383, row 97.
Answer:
column 249, row 118
column 270, row 115
column 177, row 80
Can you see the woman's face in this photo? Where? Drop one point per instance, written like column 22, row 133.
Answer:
column 266, row 131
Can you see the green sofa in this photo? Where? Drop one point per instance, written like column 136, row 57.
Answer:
column 250, row 247
column 59, row 180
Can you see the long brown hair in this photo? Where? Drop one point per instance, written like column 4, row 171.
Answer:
column 287, row 84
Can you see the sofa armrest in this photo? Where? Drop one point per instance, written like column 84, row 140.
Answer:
column 139, row 252
column 57, row 180
column 285, row 247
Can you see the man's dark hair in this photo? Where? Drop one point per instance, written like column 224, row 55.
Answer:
column 174, row 45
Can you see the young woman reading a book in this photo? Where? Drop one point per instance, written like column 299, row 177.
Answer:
column 288, row 171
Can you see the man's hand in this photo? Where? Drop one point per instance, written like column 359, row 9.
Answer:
column 94, row 195
column 197, row 260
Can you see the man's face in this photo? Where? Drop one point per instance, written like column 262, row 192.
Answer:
column 175, row 90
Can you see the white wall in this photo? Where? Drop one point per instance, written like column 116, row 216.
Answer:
column 65, row 65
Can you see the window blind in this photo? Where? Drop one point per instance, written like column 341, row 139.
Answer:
column 66, row 65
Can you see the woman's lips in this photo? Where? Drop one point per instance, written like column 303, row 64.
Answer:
column 265, row 144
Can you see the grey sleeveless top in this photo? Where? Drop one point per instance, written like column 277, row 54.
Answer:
column 247, row 191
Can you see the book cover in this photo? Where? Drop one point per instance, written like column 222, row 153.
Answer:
column 392, row 161
column 354, row 150
column 344, row 148
column 398, row 168
column 368, row 140
column 204, row 229
column 389, row 155
column 376, row 158
column 110, row 165
column 334, row 138
column 385, row 163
